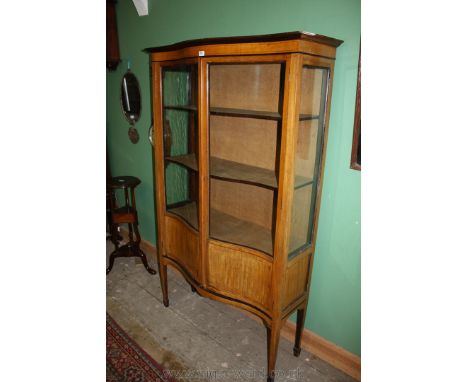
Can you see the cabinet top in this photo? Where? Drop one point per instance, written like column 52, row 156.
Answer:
column 267, row 39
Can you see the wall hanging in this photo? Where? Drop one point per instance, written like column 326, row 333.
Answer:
column 130, row 100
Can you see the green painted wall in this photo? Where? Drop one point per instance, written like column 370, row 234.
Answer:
column 335, row 304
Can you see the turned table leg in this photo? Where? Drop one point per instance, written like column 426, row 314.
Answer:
column 127, row 214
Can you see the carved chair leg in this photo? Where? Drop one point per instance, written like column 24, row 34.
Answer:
column 163, row 278
column 145, row 262
column 273, row 336
column 111, row 262
column 299, row 330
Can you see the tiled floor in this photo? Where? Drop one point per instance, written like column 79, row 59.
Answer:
column 204, row 339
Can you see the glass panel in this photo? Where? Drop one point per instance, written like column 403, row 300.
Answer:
column 307, row 157
column 180, row 137
column 245, row 117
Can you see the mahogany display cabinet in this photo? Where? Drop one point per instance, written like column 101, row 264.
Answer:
column 240, row 133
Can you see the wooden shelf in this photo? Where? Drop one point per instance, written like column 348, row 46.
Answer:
column 187, row 211
column 237, row 172
column 181, row 107
column 245, row 113
column 301, row 181
column 189, row 161
column 308, row 117
column 228, row 228
column 241, row 112
column 226, row 169
column 256, row 114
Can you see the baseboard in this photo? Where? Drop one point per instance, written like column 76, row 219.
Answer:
column 327, row 351
column 336, row 356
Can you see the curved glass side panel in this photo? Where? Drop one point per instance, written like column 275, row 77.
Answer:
column 309, row 146
column 180, row 141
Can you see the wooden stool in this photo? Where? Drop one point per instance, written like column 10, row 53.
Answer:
column 126, row 215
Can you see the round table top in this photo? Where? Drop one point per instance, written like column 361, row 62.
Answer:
column 124, row 181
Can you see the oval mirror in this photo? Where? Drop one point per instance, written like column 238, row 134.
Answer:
column 130, row 97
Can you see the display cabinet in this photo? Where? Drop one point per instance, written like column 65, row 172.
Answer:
column 240, row 136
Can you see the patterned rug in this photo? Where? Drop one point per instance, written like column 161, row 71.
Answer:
column 126, row 361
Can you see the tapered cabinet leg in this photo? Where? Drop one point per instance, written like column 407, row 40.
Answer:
column 299, row 330
column 163, row 278
column 273, row 335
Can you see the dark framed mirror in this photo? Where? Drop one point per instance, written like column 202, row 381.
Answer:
column 130, row 97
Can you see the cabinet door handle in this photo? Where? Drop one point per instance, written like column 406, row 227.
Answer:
column 167, row 137
column 150, row 135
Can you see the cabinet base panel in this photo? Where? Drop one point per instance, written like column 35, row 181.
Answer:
column 265, row 317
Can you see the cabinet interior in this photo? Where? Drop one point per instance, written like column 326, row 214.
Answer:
column 245, row 115
column 245, row 104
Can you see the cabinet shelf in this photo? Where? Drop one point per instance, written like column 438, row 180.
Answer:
column 187, row 211
column 229, row 170
column 302, row 181
column 245, row 113
column 241, row 112
column 243, row 173
column 228, row 228
column 181, row 107
column 308, row 117
column 238, row 172
column 189, row 161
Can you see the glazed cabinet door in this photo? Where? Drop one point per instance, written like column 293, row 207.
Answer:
column 178, row 136
column 308, row 155
column 310, row 136
column 244, row 119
